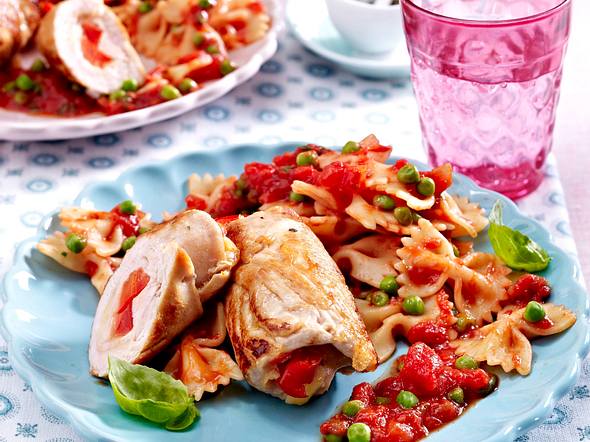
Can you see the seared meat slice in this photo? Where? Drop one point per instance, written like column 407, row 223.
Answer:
column 18, row 21
column 159, row 288
column 291, row 318
column 87, row 42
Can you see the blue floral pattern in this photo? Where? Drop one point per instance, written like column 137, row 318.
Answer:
column 295, row 97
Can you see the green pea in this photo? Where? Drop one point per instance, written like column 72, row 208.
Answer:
column 129, row 85
column 384, row 202
column 212, row 49
column 226, row 67
column 457, row 395
column 380, row 400
column 426, row 186
column 9, row 87
column 351, row 408
column 296, row 197
column 20, row 97
column 389, row 285
column 241, row 184
column 169, row 92
column 456, row 251
column 332, row 438
column 117, row 95
column 403, row 215
column 413, row 306
column 407, row 399
column 38, row 65
column 127, row 207
column 309, row 158
column 143, row 230
column 204, row 4
column 351, row 147
column 75, row 243
column 466, row 362
column 491, row 387
column 187, row 85
column 463, row 323
column 128, row 243
column 534, row 312
column 408, row 174
column 24, row 82
column 359, row 432
column 198, row 39
column 379, row 298
column 145, row 7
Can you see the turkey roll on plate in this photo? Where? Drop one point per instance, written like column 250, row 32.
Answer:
column 88, row 43
column 159, row 288
column 291, row 318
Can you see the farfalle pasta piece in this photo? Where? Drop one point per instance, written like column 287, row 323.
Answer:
column 506, row 343
column 316, row 193
column 99, row 268
column 428, row 262
column 371, row 149
column 384, row 323
column 240, row 22
column 369, row 259
column 467, row 218
column 209, row 188
column 197, row 364
column 370, row 217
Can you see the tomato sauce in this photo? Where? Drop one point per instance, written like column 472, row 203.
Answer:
column 52, row 95
column 430, row 374
column 528, row 288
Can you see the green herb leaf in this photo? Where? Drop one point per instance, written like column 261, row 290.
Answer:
column 155, row 395
column 517, row 250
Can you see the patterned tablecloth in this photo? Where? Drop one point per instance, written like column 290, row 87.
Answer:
column 296, row 97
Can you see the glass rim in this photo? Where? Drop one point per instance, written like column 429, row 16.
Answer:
column 486, row 23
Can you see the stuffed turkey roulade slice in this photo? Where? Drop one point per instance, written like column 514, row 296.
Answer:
column 291, row 319
column 88, row 43
column 159, row 288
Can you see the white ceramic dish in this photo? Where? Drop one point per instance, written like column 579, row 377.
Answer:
column 311, row 25
column 20, row 126
column 370, row 28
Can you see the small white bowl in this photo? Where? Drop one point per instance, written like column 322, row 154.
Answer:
column 366, row 27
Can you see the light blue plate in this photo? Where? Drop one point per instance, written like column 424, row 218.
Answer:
column 310, row 23
column 48, row 315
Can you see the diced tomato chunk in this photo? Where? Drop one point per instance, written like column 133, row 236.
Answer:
column 528, row 288
column 340, row 179
column 428, row 332
column 421, row 370
column 195, row 202
column 363, row 392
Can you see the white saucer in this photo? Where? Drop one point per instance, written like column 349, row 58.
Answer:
column 311, row 25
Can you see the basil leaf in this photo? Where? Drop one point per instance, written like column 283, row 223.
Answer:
column 517, row 250
column 156, row 396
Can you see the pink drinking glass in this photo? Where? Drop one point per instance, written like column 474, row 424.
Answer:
column 486, row 74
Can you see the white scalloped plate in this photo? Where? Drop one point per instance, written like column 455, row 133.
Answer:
column 48, row 313
column 21, row 126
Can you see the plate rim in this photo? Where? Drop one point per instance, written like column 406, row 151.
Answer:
column 380, row 67
column 509, row 429
column 44, row 128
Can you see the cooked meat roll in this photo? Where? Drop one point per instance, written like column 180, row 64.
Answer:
column 159, row 288
column 88, row 43
column 18, row 21
column 291, row 318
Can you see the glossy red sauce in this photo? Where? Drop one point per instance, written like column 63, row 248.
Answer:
column 55, row 95
column 423, row 275
column 528, row 288
column 91, row 268
column 133, row 286
column 428, row 373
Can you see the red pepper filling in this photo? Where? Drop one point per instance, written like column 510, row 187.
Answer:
column 299, row 370
column 132, row 287
column 90, row 40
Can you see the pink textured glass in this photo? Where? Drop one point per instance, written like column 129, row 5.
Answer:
column 486, row 74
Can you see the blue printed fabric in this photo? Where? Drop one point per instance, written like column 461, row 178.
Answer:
column 296, row 97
